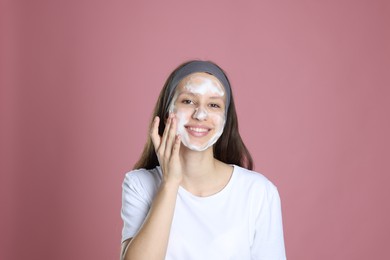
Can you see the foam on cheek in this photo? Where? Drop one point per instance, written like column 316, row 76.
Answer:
column 182, row 120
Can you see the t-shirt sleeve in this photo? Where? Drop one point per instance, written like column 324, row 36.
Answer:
column 268, row 242
column 135, row 206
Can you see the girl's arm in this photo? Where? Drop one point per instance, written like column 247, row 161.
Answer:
column 151, row 241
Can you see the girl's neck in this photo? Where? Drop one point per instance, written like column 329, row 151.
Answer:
column 203, row 175
column 196, row 164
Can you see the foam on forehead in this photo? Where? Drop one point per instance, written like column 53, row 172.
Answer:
column 199, row 66
column 199, row 84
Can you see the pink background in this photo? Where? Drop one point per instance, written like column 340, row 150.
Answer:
column 79, row 80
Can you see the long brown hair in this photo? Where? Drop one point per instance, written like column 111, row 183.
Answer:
column 229, row 148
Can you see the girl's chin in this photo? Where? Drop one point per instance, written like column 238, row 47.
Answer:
column 197, row 149
column 196, row 146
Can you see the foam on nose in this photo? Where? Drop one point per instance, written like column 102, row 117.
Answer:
column 200, row 114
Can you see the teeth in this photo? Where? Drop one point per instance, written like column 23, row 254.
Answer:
column 199, row 130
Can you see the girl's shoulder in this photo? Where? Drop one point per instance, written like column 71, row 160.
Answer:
column 146, row 180
column 252, row 180
column 144, row 174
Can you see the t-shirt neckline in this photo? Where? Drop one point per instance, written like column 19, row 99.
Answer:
column 225, row 189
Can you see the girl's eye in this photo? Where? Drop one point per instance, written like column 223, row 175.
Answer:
column 215, row 106
column 187, row 101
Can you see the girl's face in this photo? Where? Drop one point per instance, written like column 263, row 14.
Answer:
column 199, row 106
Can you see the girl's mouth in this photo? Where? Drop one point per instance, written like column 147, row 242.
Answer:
column 198, row 131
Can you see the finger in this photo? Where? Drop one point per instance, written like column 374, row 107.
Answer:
column 165, row 134
column 171, row 137
column 176, row 146
column 156, row 139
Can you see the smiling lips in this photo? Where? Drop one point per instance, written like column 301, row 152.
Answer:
column 197, row 131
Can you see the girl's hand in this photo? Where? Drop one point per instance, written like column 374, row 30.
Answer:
column 167, row 149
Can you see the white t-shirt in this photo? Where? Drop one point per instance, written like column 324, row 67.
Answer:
column 242, row 221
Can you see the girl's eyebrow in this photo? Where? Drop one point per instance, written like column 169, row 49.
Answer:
column 217, row 97
column 187, row 93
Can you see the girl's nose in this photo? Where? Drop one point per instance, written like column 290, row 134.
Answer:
column 200, row 113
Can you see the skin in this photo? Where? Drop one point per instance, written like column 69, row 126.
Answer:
column 196, row 171
column 199, row 105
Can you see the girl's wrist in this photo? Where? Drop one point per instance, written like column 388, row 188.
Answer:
column 170, row 185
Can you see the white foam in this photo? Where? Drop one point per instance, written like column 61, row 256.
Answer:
column 206, row 85
column 201, row 86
